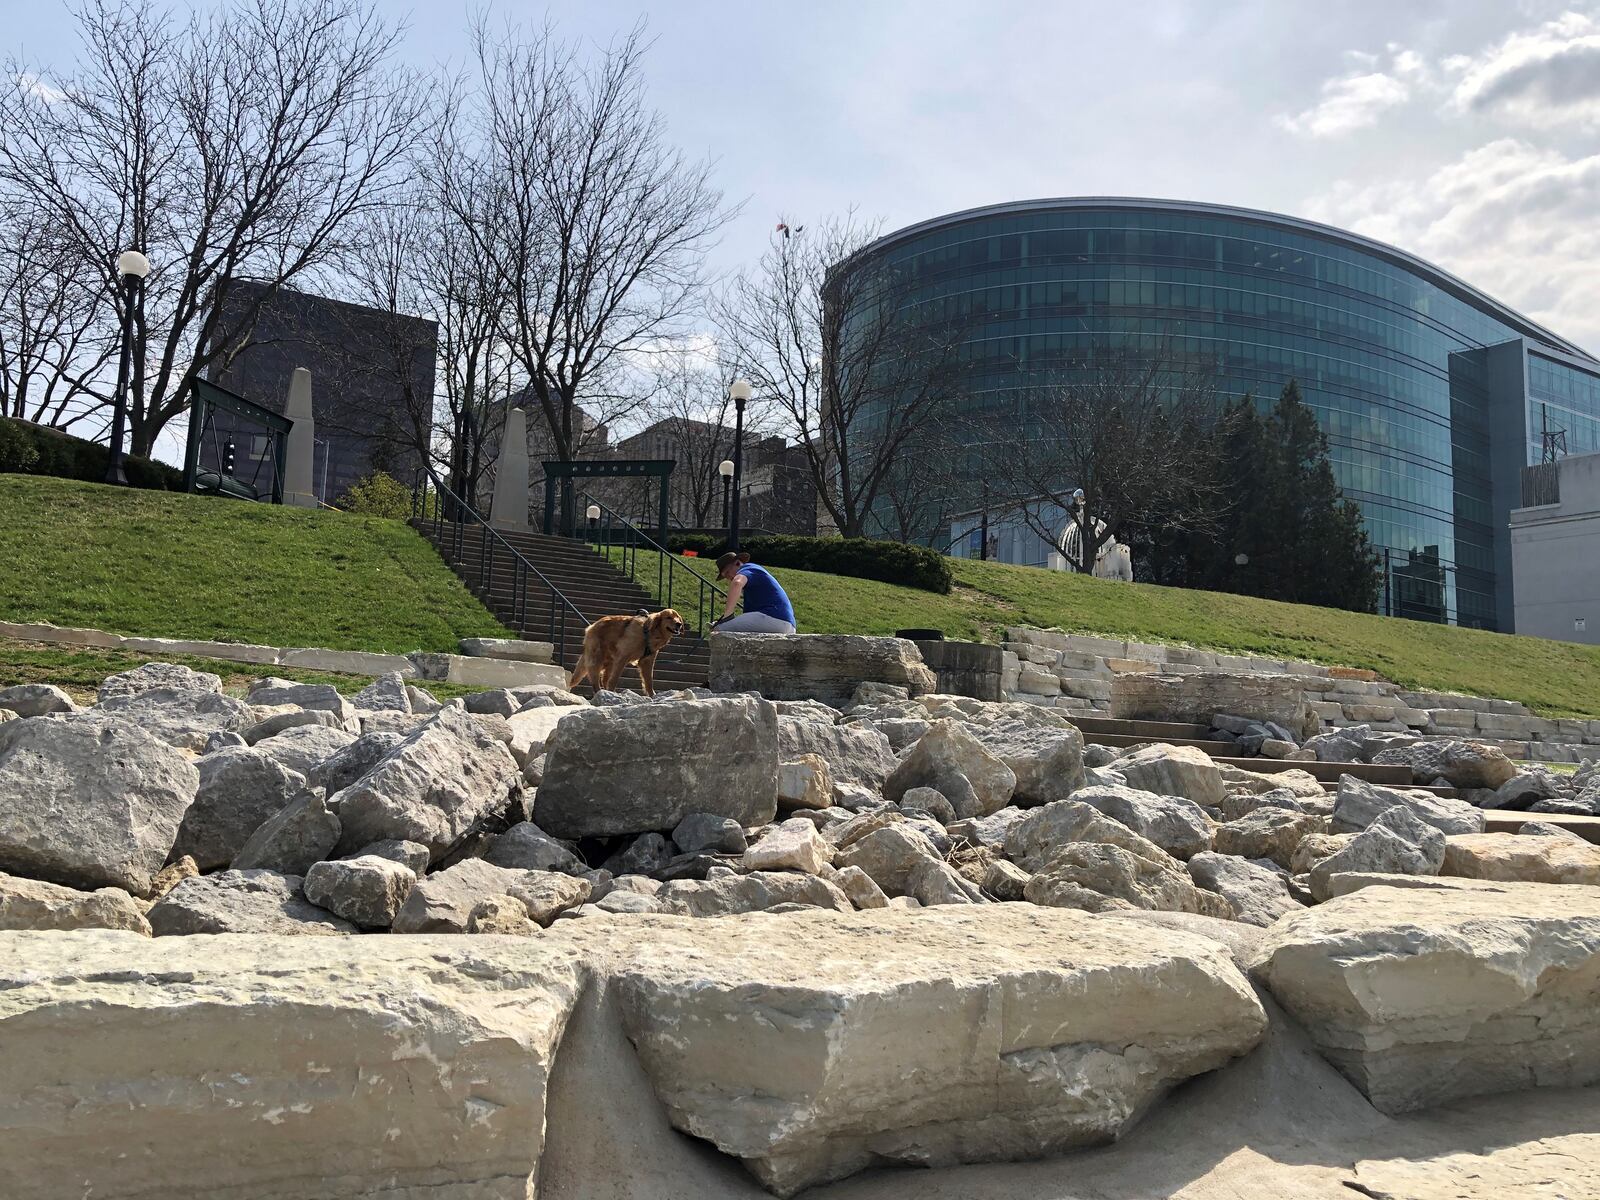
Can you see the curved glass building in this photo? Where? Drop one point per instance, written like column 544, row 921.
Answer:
column 1433, row 395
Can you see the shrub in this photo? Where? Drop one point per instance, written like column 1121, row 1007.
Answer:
column 29, row 449
column 861, row 558
column 378, row 495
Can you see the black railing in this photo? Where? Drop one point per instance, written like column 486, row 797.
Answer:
column 619, row 540
column 459, row 528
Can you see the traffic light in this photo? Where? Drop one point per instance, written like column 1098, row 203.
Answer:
column 228, row 452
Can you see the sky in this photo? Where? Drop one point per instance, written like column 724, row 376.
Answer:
column 1464, row 131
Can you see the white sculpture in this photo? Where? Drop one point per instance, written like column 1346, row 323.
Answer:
column 509, row 508
column 1113, row 560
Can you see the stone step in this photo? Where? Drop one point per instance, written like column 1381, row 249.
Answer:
column 1124, row 740
column 1328, row 772
column 1505, row 821
column 1157, row 730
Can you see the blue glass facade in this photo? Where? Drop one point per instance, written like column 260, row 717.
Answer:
column 1412, row 373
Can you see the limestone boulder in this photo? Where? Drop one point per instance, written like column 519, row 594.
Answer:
column 951, row 760
column 306, row 748
column 1047, row 760
column 726, row 895
column 545, row 895
column 710, row 833
column 1005, row 880
column 531, row 729
column 857, row 885
column 154, row 676
column 889, row 854
column 240, row 788
column 633, row 768
column 805, row 782
column 963, row 1033
column 1267, row 832
column 1098, row 877
column 1173, row 771
column 1514, row 858
column 824, row 667
column 322, row 696
column 243, row 902
column 1465, row 764
column 1259, row 894
column 34, row 904
column 90, row 802
column 647, row 854
column 1178, row 826
column 526, row 847
column 299, row 834
column 284, row 718
column 413, row 856
column 1359, row 803
column 1037, row 838
column 442, row 902
column 430, row 788
column 990, row 831
column 792, row 845
column 1397, row 843
column 500, row 915
column 366, row 891
column 386, row 693
column 858, row 756
column 36, row 700
column 181, row 718
column 346, row 765
column 1423, row 996
column 312, row 1068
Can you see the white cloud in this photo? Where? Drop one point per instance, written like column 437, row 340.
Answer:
column 1358, row 98
column 1513, row 219
column 1543, row 78
column 34, row 85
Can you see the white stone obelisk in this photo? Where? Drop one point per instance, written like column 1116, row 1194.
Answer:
column 299, row 458
column 509, row 509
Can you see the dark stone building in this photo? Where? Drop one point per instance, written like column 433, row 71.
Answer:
column 372, row 383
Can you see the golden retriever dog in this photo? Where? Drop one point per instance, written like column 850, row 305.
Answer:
column 612, row 644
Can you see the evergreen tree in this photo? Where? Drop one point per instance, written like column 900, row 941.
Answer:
column 1300, row 539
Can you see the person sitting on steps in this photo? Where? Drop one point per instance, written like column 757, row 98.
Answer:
column 766, row 605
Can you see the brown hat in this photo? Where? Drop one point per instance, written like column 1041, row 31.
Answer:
column 728, row 557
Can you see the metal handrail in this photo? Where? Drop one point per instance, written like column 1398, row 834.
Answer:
column 430, row 510
column 607, row 532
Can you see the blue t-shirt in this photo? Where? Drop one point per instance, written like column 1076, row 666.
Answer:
column 763, row 595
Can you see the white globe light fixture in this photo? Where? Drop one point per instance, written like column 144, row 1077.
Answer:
column 130, row 263
column 725, row 468
column 592, row 512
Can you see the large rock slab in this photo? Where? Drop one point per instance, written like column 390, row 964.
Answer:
column 1465, row 764
column 34, row 904
column 644, row 767
column 1514, row 858
column 1397, row 843
column 89, row 802
column 1259, row 894
column 301, row 833
column 1099, row 877
column 1423, row 996
column 949, row 759
column 240, row 788
column 366, row 891
column 1036, row 839
column 307, row 748
column 809, row 666
column 152, row 676
column 430, row 788
column 1047, row 760
column 241, row 1068
column 36, row 700
column 1178, row 826
column 730, row 894
column 242, row 902
column 181, row 718
column 858, row 756
column 1173, row 771
column 1267, row 832
column 812, row 1046
column 442, row 902
column 1197, row 696
column 1360, row 803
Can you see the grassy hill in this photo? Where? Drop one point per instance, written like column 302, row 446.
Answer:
column 168, row 565
column 163, row 564
column 1555, row 678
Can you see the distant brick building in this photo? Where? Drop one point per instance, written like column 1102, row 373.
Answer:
column 372, row 383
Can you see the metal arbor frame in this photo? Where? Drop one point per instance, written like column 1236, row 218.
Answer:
column 565, row 472
column 210, row 399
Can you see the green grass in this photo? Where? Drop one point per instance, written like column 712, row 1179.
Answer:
column 1553, row 678
column 160, row 564
column 79, row 671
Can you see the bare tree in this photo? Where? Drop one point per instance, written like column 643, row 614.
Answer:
column 837, row 343
column 1121, row 425
column 597, row 229
column 923, row 487
column 53, row 344
column 239, row 143
column 696, row 418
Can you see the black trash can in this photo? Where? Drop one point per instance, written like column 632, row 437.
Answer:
column 920, row 635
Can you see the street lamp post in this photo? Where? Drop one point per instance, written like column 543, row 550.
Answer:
column 132, row 267
column 739, row 392
column 725, row 469
column 593, row 514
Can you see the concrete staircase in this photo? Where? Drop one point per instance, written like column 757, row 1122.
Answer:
column 587, row 581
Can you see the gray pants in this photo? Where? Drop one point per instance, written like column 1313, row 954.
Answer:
column 754, row 622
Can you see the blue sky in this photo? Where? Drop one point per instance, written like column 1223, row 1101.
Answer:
column 1465, row 131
